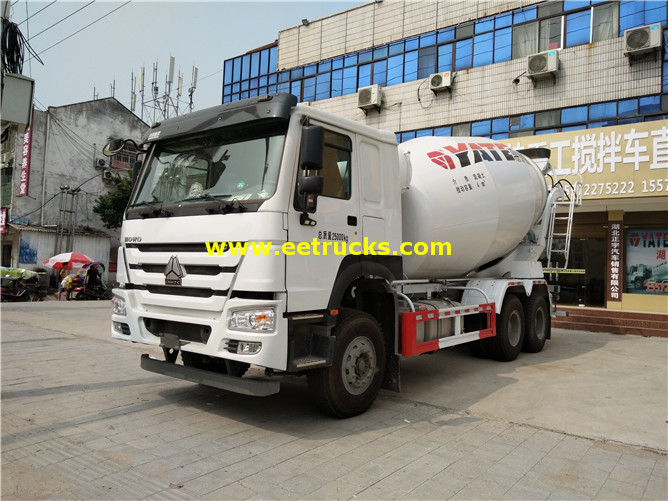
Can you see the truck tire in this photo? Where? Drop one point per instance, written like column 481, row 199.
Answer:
column 350, row 385
column 507, row 343
column 537, row 324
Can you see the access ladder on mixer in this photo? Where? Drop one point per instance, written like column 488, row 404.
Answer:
column 559, row 243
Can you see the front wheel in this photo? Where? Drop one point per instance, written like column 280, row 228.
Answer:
column 351, row 384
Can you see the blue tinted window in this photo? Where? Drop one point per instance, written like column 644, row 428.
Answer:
column 309, row 70
column 428, row 40
column 575, row 4
column 445, row 57
column 577, row 28
column 273, row 58
column 545, row 131
column 501, row 135
column 526, row 121
column 284, row 76
column 412, row 43
column 272, row 78
column 227, row 72
column 445, row 35
column 405, row 136
column 309, row 89
column 235, row 87
column 296, row 73
column 443, row 131
column 426, row 61
column 365, row 56
column 264, row 62
column 296, row 88
column 322, row 83
column 575, row 114
column 410, row 66
column 263, row 80
column 245, row 66
column 236, row 70
column 337, row 83
column 633, row 120
column 337, row 63
column 503, row 45
column 364, row 75
column 603, row 110
column 574, row 127
column 631, row 15
column 255, row 64
column 244, row 85
column 396, row 48
column 253, row 83
column 424, row 133
column 284, row 87
column 349, row 80
column 395, row 70
column 481, row 128
column 500, row 124
column 628, row 107
column 649, row 104
column 654, row 118
column 380, row 72
column 520, row 16
column 504, row 20
column 483, row 49
column 484, row 25
column 350, row 60
column 665, row 77
column 325, row 66
column 380, row 52
column 463, row 53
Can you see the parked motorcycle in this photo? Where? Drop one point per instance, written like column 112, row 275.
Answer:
column 19, row 289
column 88, row 284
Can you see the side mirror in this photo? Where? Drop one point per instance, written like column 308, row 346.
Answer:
column 113, row 147
column 311, row 185
column 310, row 154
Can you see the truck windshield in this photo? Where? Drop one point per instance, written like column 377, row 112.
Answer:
column 213, row 166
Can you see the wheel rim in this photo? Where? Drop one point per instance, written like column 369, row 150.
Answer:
column 514, row 328
column 359, row 365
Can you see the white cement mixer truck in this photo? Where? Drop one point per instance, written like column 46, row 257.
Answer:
column 270, row 235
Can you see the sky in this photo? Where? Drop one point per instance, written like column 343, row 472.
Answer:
column 116, row 38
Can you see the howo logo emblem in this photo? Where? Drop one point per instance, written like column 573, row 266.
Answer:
column 174, row 272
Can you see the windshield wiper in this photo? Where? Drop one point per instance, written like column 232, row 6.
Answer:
column 224, row 207
column 156, row 210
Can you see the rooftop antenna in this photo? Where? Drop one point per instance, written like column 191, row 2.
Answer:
column 193, row 86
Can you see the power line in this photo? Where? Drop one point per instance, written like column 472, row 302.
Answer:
column 66, row 17
column 33, row 15
column 87, row 26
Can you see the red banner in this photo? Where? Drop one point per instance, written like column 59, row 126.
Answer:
column 3, row 220
column 24, row 180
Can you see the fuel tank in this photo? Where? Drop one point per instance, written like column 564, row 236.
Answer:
column 479, row 195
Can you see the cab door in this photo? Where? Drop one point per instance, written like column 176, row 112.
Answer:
column 323, row 227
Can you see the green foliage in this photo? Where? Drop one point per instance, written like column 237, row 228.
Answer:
column 110, row 207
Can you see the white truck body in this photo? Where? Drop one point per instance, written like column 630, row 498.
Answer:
column 234, row 173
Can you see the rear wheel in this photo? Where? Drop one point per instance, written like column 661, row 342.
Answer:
column 507, row 343
column 537, row 322
column 351, row 384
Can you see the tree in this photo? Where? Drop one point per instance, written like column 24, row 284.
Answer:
column 110, row 207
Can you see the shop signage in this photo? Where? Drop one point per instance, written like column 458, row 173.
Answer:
column 615, row 268
column 623, row 161
column 24, row 180
column 3, row 220
column 646, row 264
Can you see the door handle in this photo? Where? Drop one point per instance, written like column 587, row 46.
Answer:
column 352, row 220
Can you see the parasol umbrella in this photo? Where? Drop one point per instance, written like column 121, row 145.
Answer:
column 67, row 260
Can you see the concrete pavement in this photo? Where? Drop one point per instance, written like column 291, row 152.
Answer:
column 584, row 419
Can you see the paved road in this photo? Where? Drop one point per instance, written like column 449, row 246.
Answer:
column 585, row 418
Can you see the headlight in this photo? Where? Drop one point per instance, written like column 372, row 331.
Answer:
column 118, row 305
column 252, row 320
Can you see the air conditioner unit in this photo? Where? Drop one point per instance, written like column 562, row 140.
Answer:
column 440, row 81
column 544, row 64
column 642, row 40
column 107, row 175
column 369, row 97
column 100, row 163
